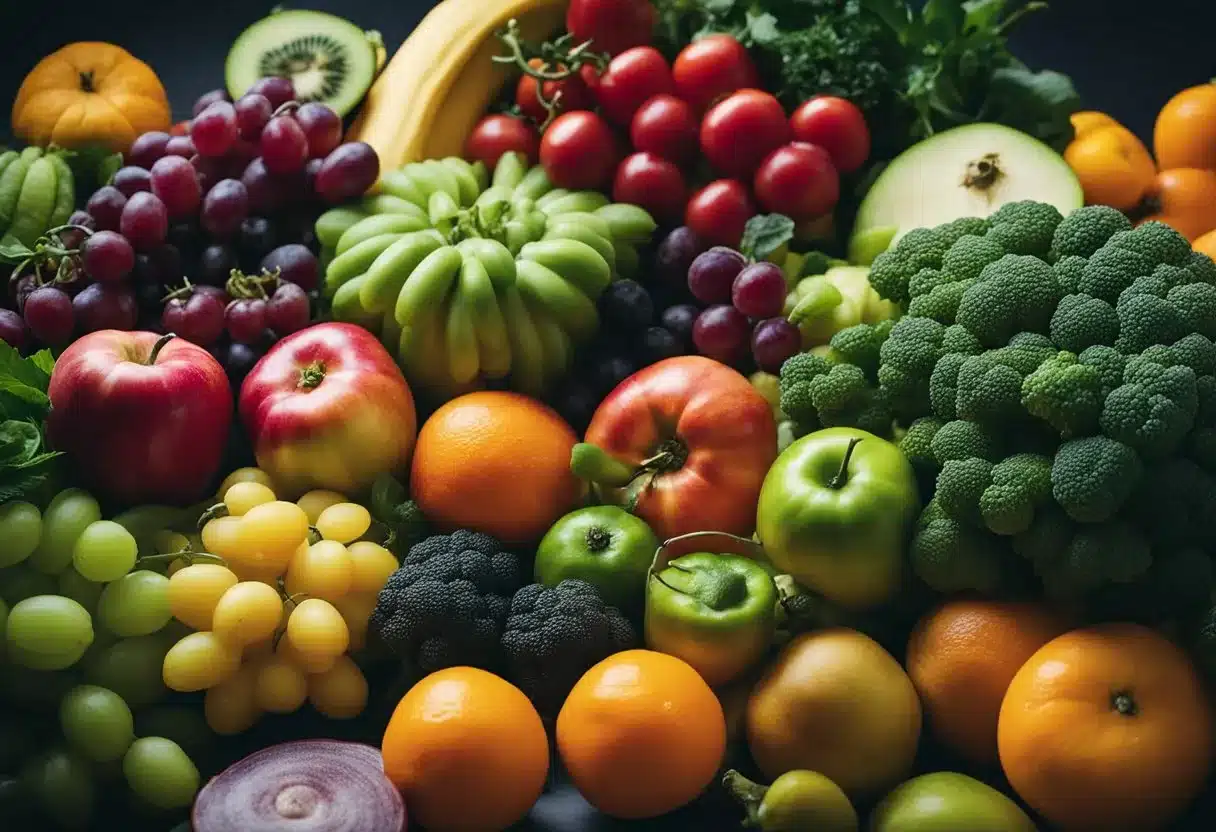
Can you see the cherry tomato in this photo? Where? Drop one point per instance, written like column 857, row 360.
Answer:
column 578, row 151
column 711, row 67
column 611, row 25
column 667, row 126
column 836, row 125
column 654, row 183
column 718, row 212
column 798, row 180
column 497, row 134
column 632, row 78
column 741, row 129
column 568, row 94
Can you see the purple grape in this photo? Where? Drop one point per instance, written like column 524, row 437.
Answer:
column 175, row 181
column 347, row 172
column 49, row 314
column 132, row 180
column 675, row 254
column 74, row 237
column 773, row 341
column 284, row 146
column 148, row 148
column 105, row 207
column 712, row 274
column 721, row 333
column 278, row 91
column 658, row 344
column 679, row 320
column 759, row 290
column 287, row 311
column 99, row 306
column 214, row 129
column 256, row 238
column 108, row 257
column 181, row 146
column 610, row 371
column 296, row 264
column 199, row 318
column 252, row 113
column 208, row 98
column 216, row 263
column 224, row 207
column 322, row 127
column 626, row 306
column 238, row 360
column 246, row 320
column 12, row 329
column 145, row 221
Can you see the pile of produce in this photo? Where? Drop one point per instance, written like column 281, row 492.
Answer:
column 630, row 408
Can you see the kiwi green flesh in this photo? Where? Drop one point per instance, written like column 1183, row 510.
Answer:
column 328, row 59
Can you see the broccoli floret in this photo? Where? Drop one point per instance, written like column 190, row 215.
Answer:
column 1025, row 227
column 917, row 445
column 1098, row 554
column 968, row 257
column 1081, row 321
column 1202, row 267
column 907, row 359
column 409, row 527
column 1110, row 270
column 941, row 303
column 1016, row 293
column 554, row 635
column 1065, row 394
column 1086, row 230
column 1046, row 539
column 960, row 439
column 990, row 385
column 840, row 390
column 920, row 248
column 1146, row 318
column 861, row 345
column 1196, row 307
column 1176, row 588
column 796, row 375
column 956, row 230
column 1154, row 408
column 1020, row 485
column 952, row 557
column 1068, row 273
column 1156, row 241
column 447, row 603
column 960, row 485
column 1092, row 478
column 1109, row 363
column 943, row 385
column 1197, row 352
column 924, row 281
column 958, row 339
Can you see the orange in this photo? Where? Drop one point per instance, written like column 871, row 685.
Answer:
column 962, row 657
column 1206, row 244
column 1107, row 728
column 1112, row 165
column 467, row 750
column 1086, row 121
column 1185, row 198
column 1185, row 133
column 641, row 734
column 495, row 462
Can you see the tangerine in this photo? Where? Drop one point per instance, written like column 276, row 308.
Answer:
column 1184, row 135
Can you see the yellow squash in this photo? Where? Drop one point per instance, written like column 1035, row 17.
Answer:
column 441, row 80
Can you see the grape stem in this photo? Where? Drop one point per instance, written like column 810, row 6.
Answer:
column 216, row 511
column 286, row 107
column 185, row 553
column 49, row 249
column 158, row 346
column 247, row 287
column 185, row 291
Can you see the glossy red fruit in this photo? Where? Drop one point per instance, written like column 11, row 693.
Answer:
column 798, row 180
column 712, row 67
column 667, row 126
column 741, row 129
column 612, row 25
column 654, row 183
column 632, row 78
column 578, row 151
column 718, row 212
column 836, row 125
column 497, row 134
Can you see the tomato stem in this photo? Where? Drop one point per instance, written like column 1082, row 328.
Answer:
column 1123, row 702
column 842, row 474
column 558, row 53
column 158, row 346
column 749, row 794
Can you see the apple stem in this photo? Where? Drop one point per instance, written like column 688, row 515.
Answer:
column 842, row 475
column 312, row 375
column 159, row 345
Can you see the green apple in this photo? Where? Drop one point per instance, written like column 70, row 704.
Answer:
column 948, row 802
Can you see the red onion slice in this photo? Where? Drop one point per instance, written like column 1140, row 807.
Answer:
column 305, row 786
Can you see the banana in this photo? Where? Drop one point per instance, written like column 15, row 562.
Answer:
column 590, row 221
column 356, row 261
column 346, row 306
column 375, row 226
column 466, row 179
column 535, row 183
column 568, row 306
column 551, row 196
column 389, row 204
column 536, row 223
column 496, row 257
column 462, row 348
column 522, row 206
column 556, row 348
column 10, row 156
column 493, row 194
column 422, row 348
column 442, row 209
column 509, row 171
column 482, row 174
column 333, row 224
column 390, row 331
column 579, row 202
column 493, row 343
column 517, row 235
column 428, row 284
column 394, row 267
column 575, row 262
column 574, row 231
column 65, row 191
column 527, row 353
column 429, row 177
column 400, row 184
column 628, row 223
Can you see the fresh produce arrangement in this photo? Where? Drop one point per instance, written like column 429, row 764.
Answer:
column 790, row 415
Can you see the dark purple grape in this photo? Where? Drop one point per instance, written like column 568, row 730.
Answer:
column 713, row 272
column 296, row 264
column 679, row 320
column 310, row 175
column 49, row 314
column 238, row 360
column 252, row 113
column 145, row 221
column 675, row 254
column 610, row 371
column 347, row 172
column 132, row 180
column 149, row 297
column 577, row 403
column 199, row 318
column 21, row 289
column 278, row 91
column 242, row 153
column 208, row 98
column 721, row 333
column 626, row 306
column 773, row 341
column 99, row 306
column 105, row 207
column 759, row 290
column 287, row 311
column 246, row 320
column 74, row 237
column 210, row 171
column 657, row 344
column 166, row 263
column 181, row 146
column 284, row 146
column 265, row 190
column 216, row 263
column 107, row 257
column 224, row 207
column 322, row 127
column 147, row 149
column 175, row 181
column 256, row 238
column 214, row 129
column 186, row 238
column 12, row 329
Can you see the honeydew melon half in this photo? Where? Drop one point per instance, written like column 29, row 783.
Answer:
column 968, row 171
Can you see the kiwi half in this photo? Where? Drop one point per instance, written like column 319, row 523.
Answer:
column 328, row 59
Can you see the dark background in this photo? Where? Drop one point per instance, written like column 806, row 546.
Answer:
column 1126, row 57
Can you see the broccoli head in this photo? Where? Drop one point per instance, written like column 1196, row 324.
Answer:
column 554, row 635
column 1202, row 267
column 1086, row 230
column 1098, row 554
column 447, row 603
column 1154, row 409
column 1110, row 270
column 907, row 359
column 950, row 556
column 989, row 385
column 940, row 303
column 1068, row 273
column 920, row 248
column 960, row 439
column 861, row 345
column 1092, row 478
column 917, row 445
column 797, row 373
column 1156, row 241
column 1081, row 321
column 969, row 255
column 1021, row 485
column 1016, row 293
column 1025, row 227
column 1065, row 394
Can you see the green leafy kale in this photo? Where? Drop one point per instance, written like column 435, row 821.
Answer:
column 25, row 462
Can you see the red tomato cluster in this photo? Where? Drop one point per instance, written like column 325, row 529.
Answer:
column 635, row 130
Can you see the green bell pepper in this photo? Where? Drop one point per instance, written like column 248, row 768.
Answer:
column 717, row 612
column 605, row 546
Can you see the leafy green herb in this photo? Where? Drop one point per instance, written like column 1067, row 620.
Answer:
column 25, row 463
column 764, row 234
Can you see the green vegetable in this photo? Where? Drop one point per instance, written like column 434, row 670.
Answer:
column 715, row 611
column 605, row 546
column 1066, row 420
column 25, row 462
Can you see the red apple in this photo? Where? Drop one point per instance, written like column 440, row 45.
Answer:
column 144, row 417
column 328, row 408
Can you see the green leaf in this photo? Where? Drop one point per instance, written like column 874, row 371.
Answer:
column 764, row 234
column 982, row 15
column 45, row 361
column 1038, row 103
column 109, row 166
column 895, row 14
column 943, row 18
column 762, row 28
column 14, row 251
column 19, row 442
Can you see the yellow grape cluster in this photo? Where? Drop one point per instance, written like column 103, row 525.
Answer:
column 274, row 623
